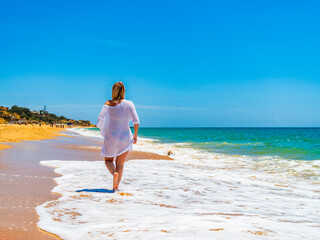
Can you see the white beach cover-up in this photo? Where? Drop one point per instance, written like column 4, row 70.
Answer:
column 113, row 123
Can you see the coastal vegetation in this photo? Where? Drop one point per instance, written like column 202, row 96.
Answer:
column 22, row 115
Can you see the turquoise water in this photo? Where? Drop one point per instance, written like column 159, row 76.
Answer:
column 288, row 143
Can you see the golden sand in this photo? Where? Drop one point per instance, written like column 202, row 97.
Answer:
column 147, row 155
column 17, row 133
column 3, row 146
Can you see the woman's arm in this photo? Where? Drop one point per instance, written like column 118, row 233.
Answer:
column 135, row 120
column 135, row 135
column 100, row 121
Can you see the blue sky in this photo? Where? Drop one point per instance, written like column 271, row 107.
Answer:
column 184, row 63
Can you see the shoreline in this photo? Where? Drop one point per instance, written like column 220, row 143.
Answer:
column 26, row 184
column 29, row 184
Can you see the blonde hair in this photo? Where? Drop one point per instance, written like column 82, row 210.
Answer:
column 118, row 91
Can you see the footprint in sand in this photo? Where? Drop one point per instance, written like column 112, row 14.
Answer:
column 125, row 194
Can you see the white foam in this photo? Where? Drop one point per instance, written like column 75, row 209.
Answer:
column 200, row 195
column 85, row 132
column 96, row 134
column 178, row 200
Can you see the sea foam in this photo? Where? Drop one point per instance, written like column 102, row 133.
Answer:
column 173, row 200
column 200, row 195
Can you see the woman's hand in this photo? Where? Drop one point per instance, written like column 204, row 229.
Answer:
column 135, row 139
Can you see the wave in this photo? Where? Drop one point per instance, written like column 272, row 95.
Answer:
column 84, row 132
column 187, row 151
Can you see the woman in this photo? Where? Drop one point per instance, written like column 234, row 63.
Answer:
column 113, row 122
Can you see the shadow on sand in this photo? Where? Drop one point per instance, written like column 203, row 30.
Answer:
column 102, row 190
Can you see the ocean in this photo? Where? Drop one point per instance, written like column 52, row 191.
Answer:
column 224, row 183
column 288, row 143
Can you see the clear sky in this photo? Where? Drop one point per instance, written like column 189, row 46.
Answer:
column 184, row 63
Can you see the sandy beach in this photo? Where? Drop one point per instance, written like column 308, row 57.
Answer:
column 214, row 195
column 17, row 133
column 26, row 184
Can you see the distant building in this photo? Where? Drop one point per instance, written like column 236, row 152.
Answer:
column 13, row 119
column 44, row 111
column 22, row 121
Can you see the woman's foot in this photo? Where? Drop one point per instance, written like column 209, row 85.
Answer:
column 115, row 181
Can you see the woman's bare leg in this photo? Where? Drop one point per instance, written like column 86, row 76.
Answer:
column 119, row 166
column 112, row 170
column 110, row 165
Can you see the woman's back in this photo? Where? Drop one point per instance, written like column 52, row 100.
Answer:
column 121, row 110
column 113, row 122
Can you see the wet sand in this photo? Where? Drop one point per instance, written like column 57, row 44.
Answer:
column 3, row 146
column 25, row 184
column 132, row 155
